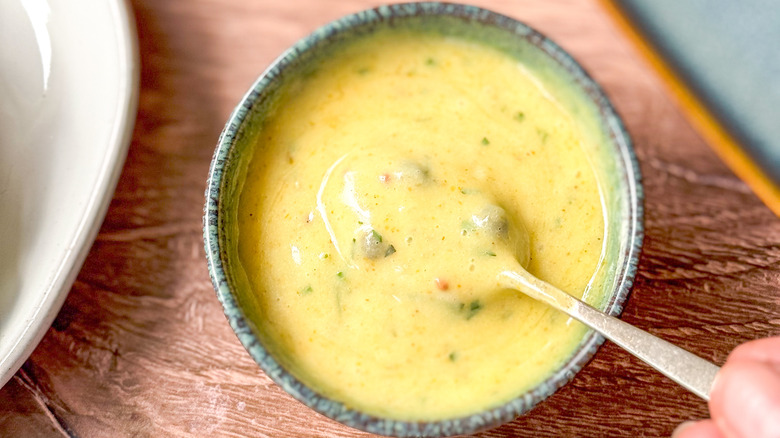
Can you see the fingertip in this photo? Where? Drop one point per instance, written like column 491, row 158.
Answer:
column 697, row 429
column 680, row 430
column 745, row 399
column 761, row 350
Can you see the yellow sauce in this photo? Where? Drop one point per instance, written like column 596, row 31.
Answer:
column 386, row 191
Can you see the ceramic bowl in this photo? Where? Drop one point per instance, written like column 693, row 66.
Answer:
column 614, row 162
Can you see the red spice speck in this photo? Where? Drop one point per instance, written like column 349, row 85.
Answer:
column 441, row 283
column 385, row 177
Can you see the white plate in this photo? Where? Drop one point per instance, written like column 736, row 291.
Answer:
column 68, row 96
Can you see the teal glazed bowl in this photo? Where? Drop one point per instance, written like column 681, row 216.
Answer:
column 613, row 160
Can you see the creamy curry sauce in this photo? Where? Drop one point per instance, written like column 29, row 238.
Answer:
column 385, row 193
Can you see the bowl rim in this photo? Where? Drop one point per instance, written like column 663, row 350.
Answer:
column 212, row 226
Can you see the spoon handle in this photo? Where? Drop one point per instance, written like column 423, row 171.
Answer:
column 685, row 368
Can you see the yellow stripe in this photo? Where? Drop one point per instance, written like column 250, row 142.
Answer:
column 721, row 141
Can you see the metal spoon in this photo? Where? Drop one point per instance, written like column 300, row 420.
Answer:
column 685, row 368
column 510, row 242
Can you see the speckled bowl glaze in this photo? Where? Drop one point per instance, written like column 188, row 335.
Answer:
column 616, row 168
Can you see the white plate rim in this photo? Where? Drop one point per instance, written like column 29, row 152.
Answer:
column 38, row 323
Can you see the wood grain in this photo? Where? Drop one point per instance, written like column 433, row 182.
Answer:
column 141, row 347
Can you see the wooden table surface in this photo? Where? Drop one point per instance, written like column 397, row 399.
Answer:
column 141, row 347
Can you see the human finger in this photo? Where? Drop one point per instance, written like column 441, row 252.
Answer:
column 745, row 399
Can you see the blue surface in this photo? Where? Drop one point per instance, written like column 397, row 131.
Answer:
column 726, row 53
